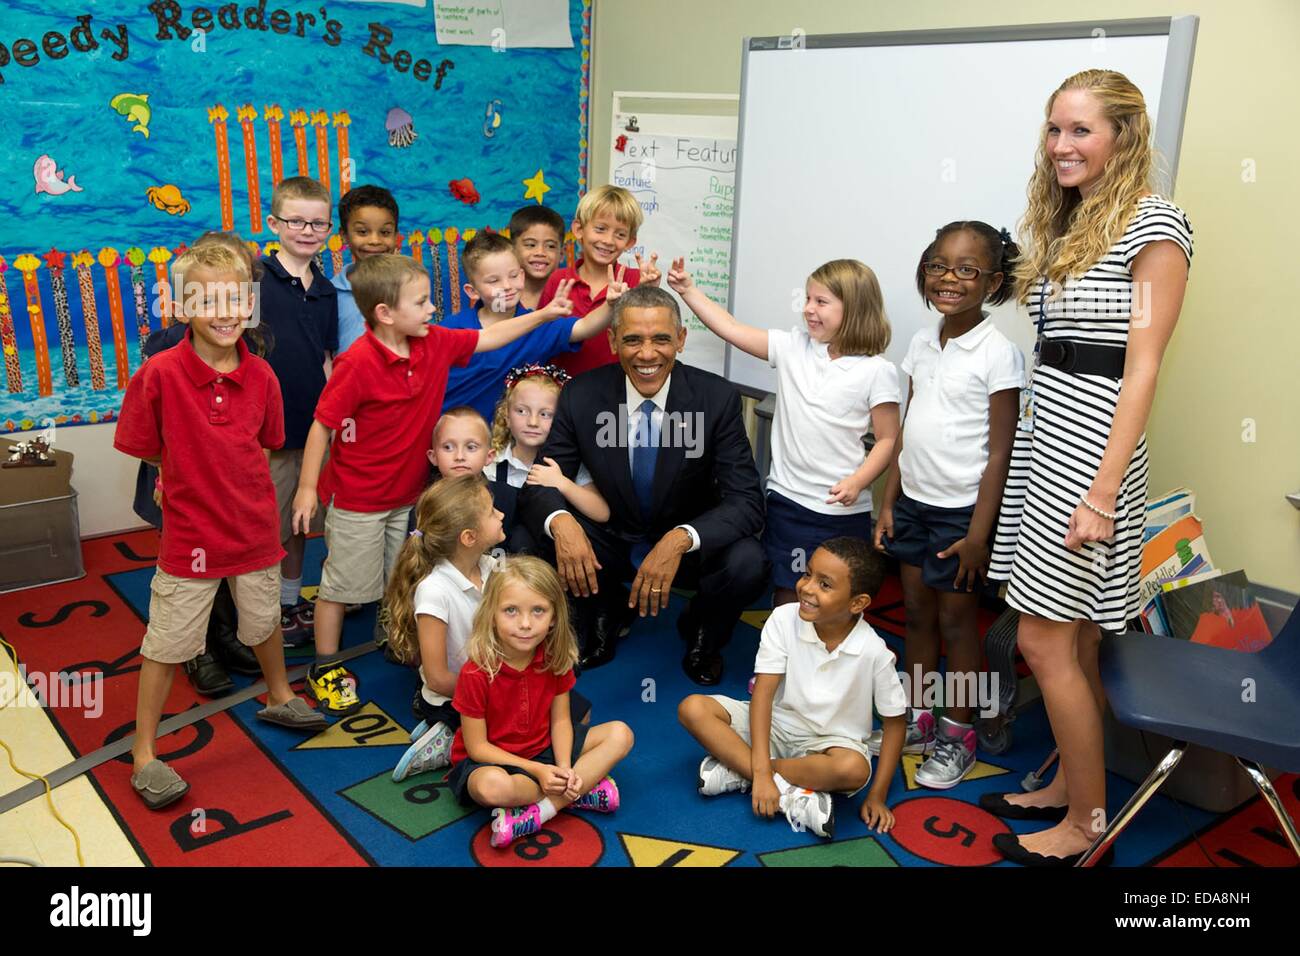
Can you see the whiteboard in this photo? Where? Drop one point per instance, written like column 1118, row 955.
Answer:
column 681, row 167
column 861, row 146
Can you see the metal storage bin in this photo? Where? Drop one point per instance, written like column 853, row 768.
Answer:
column 40, row 543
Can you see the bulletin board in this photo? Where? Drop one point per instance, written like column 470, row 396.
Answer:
column 131, row 128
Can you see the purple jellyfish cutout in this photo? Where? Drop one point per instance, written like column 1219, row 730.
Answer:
column 401, row 128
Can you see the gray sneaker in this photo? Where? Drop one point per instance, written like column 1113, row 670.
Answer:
column 920, row 734
column 953, row 757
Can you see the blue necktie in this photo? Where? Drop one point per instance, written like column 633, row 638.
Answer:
column 645, row 452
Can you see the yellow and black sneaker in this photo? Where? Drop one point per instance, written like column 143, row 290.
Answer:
column 334, row 689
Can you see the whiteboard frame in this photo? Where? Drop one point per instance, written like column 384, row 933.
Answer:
column 1170, row 113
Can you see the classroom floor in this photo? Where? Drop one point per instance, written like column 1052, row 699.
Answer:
column 263, row 795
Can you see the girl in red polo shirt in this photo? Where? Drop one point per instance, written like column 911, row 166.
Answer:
column 516, row 742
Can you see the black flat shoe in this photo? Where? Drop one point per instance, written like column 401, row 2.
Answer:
column 996, row 804
column 1008, row 844
column 208, row 677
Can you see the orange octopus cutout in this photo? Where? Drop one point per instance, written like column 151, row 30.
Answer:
column 168, row 198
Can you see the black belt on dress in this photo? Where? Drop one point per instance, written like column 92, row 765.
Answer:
column 1082, row 358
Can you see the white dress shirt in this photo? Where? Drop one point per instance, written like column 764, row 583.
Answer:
column 634, row 401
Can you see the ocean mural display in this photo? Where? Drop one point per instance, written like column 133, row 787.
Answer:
column 132, row 128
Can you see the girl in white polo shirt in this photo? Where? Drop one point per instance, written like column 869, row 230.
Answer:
column 434, row 591
column 943, row 494
column 833, row 385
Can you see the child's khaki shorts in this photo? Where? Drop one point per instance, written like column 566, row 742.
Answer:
column 788, row 741
column 363, row 547
column 179, row 609
column 286, row 466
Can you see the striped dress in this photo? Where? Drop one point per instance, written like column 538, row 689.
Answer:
column 1055, row 462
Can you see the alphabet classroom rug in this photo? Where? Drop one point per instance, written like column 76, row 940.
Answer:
column 263, row 795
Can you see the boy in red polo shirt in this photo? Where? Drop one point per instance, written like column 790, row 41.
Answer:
column 381, row 403
column 208, row 412
column 604, row 227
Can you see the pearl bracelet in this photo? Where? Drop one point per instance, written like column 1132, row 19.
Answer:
column 1083, row 500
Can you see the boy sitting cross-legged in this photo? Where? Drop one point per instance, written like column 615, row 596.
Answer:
column 820, row 668
column 207, row 412
column 381, row 404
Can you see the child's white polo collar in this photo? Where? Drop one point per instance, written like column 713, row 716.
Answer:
column 853, row 644
column 970, row 341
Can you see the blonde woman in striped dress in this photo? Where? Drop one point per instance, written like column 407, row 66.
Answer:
column 1104, row 278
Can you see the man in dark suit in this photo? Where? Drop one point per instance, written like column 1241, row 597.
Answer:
column 666, row 447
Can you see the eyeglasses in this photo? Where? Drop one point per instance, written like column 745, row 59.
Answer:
column 298, row 225
column 939, row 269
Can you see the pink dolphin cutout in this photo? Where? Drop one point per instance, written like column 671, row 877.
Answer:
column 49, row 178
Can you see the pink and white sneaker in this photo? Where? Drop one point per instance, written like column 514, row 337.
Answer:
column 602, row 798
column 511, row 825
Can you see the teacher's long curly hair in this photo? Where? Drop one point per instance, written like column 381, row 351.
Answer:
column 1064, row 234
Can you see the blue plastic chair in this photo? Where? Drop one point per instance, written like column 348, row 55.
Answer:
column 1245, row 705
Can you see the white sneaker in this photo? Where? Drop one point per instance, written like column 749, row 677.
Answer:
column 432, row 751
column 810, row 810
column 716, row 777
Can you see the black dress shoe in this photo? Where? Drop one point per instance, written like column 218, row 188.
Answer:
column 1008, row 844
column 234, row 656
column 598, row 639
column 996, row 804
column 208, row 677
column 702, row 663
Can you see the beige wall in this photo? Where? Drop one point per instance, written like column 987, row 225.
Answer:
column 1235, row 358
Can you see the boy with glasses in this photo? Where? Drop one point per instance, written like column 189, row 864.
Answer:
column 301, row 308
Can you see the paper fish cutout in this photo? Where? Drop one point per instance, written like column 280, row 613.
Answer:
column 168, row 198
column 463, row 189
column 49, row 178
column 135, row 107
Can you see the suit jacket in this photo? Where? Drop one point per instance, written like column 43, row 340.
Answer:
column 717, row 493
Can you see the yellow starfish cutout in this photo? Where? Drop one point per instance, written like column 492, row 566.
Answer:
column 537, row 188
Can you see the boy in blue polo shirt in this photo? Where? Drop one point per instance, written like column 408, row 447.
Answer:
column 496, row 279
column 368, row 224
column 301, row 308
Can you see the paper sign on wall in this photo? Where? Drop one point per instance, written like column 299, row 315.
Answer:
column 503, row 24
column 686, row 188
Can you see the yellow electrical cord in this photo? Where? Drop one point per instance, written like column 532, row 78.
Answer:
column 49, row 797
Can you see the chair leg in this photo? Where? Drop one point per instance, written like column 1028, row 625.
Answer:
column 1265, row 786
column 1135, row 803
